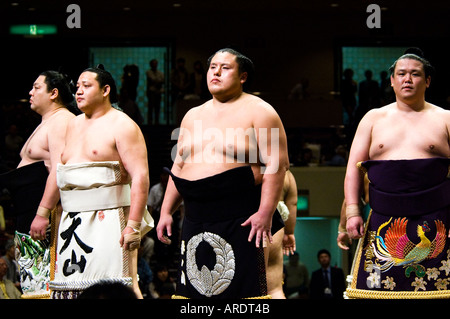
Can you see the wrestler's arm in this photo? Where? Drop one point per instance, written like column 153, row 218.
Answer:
column 353, row 183
column 290, row 200
column 56, row 141
column 172, row 198
column 171, row 202
column 273, row 152
column 132, row 150
column 343, row 240
column 447, row 125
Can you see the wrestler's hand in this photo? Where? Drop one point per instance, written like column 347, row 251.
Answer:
column 343, row 240
column 39, row 227
column 261, row 228
column 288, row 244
column 131, row 235
column 164, row 226
column 355, row 227
column 40, row 223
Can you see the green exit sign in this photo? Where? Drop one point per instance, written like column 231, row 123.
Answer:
column 33, row 29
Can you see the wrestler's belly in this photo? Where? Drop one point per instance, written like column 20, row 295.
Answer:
column 195, row 171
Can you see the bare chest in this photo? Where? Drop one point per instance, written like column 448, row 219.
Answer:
column 406, row 139
column 36, row 148
column 90, row 143
column 221, row 141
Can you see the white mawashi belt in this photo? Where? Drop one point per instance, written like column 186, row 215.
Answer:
column 107, row 197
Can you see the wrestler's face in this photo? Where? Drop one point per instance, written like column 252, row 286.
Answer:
column 408, row 79
column 223, row 77
column 89, row 93
column 39, row 95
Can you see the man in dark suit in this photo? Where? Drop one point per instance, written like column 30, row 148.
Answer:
column 327, row 282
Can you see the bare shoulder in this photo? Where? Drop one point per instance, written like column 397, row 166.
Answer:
column 378, row 113
column 195, row 113
column 77, row 120
column 60, row 119
column 67, row 114
column 257, row 104
column 262, row 113
column 61, row 115
column 382, row 111
column 122, row 121
column 440, row 114
column 439, row 110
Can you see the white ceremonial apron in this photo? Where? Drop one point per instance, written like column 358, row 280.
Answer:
column 95, row 210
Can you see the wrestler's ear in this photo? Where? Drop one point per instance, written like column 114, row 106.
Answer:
column 54, row 94
column 106, row 90
column 244, row 76
column 428, row 81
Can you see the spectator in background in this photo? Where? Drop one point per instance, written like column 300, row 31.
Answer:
column 327, row 282
column 349, row 88
column 198, row 89
column 297, row 278
column 162, row 286
column 7, row 288
column 368, row 95
column 155, row 83
column 10, row 258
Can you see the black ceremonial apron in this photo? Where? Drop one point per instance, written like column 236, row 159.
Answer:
column 26, row 185
column 217, row 261
column 404, row 253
